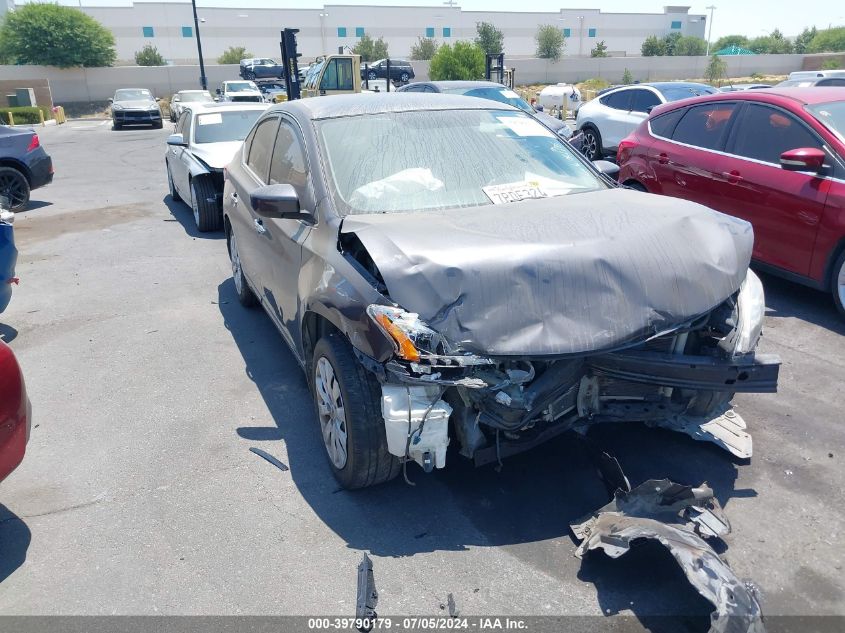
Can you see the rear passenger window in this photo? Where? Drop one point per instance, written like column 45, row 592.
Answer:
column 664, row 125
column 617, row 100
column 704, row 126
column 764, row 133
column 262, row 147
column 644, row 100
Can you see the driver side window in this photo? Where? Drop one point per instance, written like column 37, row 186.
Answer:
column 289, row 165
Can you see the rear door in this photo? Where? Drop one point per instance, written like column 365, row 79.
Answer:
column 254, row 245
column 690, row 166
column 179, row 157
column 614, row 124
column 784, row 207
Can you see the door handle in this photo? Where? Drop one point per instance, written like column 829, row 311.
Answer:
column 259, row 226
column 663, row 158
column 732, row 176
column 234, row 197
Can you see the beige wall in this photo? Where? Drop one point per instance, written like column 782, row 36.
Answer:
column 98, row 84
column 43, row 97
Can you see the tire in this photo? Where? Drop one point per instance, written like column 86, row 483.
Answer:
column 174, row 195
column 404, row 78
column 591, row 144
column 348, row 402
column 14, row 187
column 158, row 124
column 207, row 214
column 250, row 76
column 837, row 283
column 115, row 125
column 246, row 296
column 372, row 75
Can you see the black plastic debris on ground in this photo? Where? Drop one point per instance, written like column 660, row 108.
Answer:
column 367, row 598
column 269, row 458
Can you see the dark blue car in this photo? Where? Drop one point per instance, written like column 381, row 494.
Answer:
column 8, row 256
column 24, row 165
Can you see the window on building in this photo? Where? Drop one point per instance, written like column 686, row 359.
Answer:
column 447, row 31
column 591, row 32
column 676, row 24
column 429, row 31
column 341, row 31
column 567, row 32
column 148, row 31
column 187, row 31
column 359, row 31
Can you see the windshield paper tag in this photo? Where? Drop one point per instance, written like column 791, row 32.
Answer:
column 215, row 118
column 524, row 126
column 514, row 192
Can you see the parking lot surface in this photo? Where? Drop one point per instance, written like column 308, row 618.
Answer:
column 149, row 384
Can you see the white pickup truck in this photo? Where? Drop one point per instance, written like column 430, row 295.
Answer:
column 240, row 91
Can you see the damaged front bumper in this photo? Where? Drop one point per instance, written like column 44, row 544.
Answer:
column 679, row 518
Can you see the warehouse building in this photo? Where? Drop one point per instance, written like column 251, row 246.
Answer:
column 169, row 26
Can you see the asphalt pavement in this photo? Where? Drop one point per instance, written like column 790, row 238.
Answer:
column 149, row 384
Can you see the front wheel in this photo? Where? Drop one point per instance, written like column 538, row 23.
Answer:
column 404, row 78
column 348, row 401
column 204, row 204
column 837, row 283
column 591, row 145
column 14, row 187
column 371, row 75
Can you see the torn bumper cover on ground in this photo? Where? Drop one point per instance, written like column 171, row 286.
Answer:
column 678, row 517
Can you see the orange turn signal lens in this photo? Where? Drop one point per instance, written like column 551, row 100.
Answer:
column 404, row 344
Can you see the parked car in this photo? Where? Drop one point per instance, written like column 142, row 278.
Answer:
column 494, row 92
column 812, row 74
column 261, row 68
column 205, row 138
column 15, row 412
column 812, row 82
column 8, row 253
column 609, row 118
column 506, row 290
column 182, row 97
column 773, row 157
column 239, row 92
column 400, row 70
column 273, row 91
column 739, row 87
column 133, row 106
column 24, row 166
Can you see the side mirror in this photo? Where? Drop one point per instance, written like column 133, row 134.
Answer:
column 111, row 100
column 279, row 202
column 176, row 140
column 803, row 159
column 611, row 170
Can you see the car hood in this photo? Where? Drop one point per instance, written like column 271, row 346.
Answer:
column 568, row 275
column 141, row 104
column 216, row 155
column 549, row 121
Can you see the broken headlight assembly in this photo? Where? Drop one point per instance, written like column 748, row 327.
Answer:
column 751, row 306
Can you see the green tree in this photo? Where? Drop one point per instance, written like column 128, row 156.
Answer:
column 550, row 42
column 691, row 46
column 730, row 40
column 489, row 38
column 831, row 64
column 773, row 44
column 627, row 77
column 149, row 56
column 53, row 35
column 716, row 69
column 653, row 47
column 463, row 60
column 802, row 41
column 370, row 50
column 669, row 43
column 425, row 48
column 234, row 55
column 600, row 50
column 828, row 41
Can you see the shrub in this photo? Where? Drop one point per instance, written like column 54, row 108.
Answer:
column 627, row 78
column 234, row 55
column 370, row 50
column 691, row 46
column 489, row 38
column 653, row 47
column 716, row 69
column 828, row 41
column 25, row 114
column 425, row 48
column 463, row 60
column 550, row 42
column 831, row 64
column 149, row 56
column 600, row 50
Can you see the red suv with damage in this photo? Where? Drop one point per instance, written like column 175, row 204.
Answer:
column 773, row 157
column 15, row 412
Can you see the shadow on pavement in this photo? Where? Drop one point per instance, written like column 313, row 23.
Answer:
column 34, row 205
column 533, row 499
column 14, row 541
column 789, row 299
column 7, row 333
column 182, row 213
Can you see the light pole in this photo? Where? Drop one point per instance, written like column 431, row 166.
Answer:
column 322, row 32
column 580, row 34
column 709, row 28
column 203, row 80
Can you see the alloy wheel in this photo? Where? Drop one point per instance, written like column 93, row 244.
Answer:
column 590, row 145
column 840, row 283
column 237, row 274
column 195, row 205
column 13, row 188
column 331, row 412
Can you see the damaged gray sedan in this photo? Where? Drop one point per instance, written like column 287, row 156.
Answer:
column 447, row 270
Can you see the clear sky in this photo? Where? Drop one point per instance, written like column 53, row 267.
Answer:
column 746, row 17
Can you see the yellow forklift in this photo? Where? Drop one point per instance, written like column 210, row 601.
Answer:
column 329, row 75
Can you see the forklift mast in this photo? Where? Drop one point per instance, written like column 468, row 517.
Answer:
column 290, row 61
column 494, row 70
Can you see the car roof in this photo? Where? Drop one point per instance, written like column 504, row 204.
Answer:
column 181, row 92
column 379, row 103
column 224, row 105
column 465, row 84
column 792, row 96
